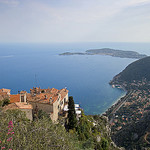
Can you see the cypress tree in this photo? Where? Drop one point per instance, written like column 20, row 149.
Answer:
column 72, row 120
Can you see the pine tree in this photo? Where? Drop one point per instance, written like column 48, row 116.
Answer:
column 72, row 120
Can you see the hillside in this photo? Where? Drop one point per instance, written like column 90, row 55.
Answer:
column 130, row 123
column 137, row 70
column 136, row 135
column 92, row 132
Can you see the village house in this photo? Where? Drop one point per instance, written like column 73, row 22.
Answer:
column 18, row 101
column 51, row 101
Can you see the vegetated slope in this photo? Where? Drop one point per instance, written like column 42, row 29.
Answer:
column 93, row 132
column 110, row 52
column 40, row 134
column 135, row 135
column 136, row 71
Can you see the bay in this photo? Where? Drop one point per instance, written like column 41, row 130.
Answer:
column 24, row 66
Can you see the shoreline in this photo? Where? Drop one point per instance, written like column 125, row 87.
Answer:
column 115, row 101
column 119, row 99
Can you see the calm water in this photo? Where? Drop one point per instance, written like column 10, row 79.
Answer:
column 86, row 77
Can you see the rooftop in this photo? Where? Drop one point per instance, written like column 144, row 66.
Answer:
column 14, row 98
column 47, row 96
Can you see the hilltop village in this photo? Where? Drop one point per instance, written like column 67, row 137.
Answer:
column 52, row 101
column 68, row 128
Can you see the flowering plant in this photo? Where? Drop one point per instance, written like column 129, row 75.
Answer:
column 5, row 144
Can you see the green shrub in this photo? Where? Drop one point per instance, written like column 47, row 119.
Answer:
column 40, row 134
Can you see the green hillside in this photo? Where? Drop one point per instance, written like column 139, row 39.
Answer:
column 136, row 71
column 135, row 136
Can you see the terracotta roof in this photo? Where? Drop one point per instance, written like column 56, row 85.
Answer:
column 63, row 93
column 49, row 96
column 18, row 105
column 42, row 98
column 14, row 98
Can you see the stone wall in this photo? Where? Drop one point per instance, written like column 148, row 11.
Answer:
column 29, row 113
column 40, row 106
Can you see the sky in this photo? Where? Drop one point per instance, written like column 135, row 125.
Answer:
column 51, row 21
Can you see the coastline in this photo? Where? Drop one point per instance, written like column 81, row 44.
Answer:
column 113, row 104
column 115, row 101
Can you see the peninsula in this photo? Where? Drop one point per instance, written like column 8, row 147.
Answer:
column 110, row 52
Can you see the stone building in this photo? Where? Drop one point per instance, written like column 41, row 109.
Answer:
column 27, row 108
column 18, row 101
column 51, row 101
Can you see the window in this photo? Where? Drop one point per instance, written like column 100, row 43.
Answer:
column 22, row 98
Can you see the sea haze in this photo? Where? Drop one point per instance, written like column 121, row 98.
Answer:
column 24, row 66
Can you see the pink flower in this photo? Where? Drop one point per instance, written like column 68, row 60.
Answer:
column 3, row 148
column 12, row 132
column 0, row 141
column 10, row 123
column 9, row 139
column 8, row 133
column 10, row 129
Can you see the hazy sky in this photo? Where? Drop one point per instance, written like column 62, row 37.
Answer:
column 74, row 20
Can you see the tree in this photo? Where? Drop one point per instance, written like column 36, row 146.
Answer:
column 72, row 120
column 104, row 144
column 4, row 102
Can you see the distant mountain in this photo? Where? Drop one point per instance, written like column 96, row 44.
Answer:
column 116, row 53
column 137, row 70
column 110, row 52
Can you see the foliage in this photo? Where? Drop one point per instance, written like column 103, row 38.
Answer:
column 83, row 128
column 92, row 133
column 133, row 135
column 104, row 144
column 72, row 121
column 41, row 134
column 4, row 102
column 136, row 70
column 42, row 114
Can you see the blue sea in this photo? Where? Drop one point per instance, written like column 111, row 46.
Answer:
column 24, row 66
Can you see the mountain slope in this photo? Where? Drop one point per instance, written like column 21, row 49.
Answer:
column 134, row 136
column 135, row 71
